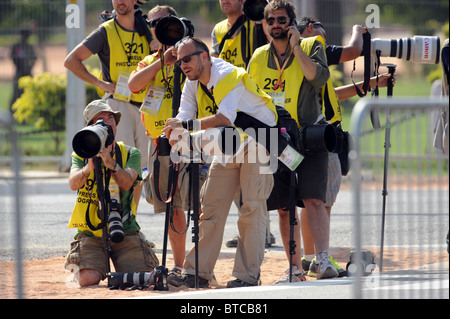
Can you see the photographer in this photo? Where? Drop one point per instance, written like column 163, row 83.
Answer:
column 88, row 251
column 120, row 44
column 235, row 38
column 155, row 75
column 213, row 92
column 309, row 27
column 296, row 70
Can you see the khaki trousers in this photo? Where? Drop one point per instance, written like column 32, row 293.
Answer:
column 216, row 198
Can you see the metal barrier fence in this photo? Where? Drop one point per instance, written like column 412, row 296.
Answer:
column 11, row 237
column 401, row 200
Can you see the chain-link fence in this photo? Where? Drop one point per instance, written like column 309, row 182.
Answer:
column 401, row 199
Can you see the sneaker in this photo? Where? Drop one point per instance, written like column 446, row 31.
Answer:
column 297, row 276
column 240, row 283
column 325, row 269
column 342, row 272
column 312, row 270
column 305, row 263
column 233, row 242
column 187, row 281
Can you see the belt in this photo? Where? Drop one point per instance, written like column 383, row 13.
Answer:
column 138, row 104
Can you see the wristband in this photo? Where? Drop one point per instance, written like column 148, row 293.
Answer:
column 188, row 124
column 116, row 168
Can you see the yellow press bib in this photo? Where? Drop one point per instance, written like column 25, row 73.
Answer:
column 236, row 48
column 206, row 106
column 155, row 123
column 291, row 79
column 87, row 197
column 127, row 48
column 331, row 108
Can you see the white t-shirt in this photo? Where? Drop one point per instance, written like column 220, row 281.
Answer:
column 238, row 98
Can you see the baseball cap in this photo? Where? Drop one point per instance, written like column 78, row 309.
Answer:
column 95, row 108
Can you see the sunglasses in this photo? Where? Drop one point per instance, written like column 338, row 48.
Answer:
column 187, row 58
column 318, row 25
column 280, row 20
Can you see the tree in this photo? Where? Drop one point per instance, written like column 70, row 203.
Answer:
column 43, row 103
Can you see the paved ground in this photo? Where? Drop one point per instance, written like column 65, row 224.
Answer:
column 49, row 201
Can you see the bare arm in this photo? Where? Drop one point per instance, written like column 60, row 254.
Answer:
column 347, row 91
column 125, row 178
column 308, row 66
column 74, row 62
column 354, row 47
column 215, row 120
column 146, row 73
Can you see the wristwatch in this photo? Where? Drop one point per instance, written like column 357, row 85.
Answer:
column 116, row 168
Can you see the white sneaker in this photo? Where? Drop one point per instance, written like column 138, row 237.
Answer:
column 297, row 276
column 325, row 269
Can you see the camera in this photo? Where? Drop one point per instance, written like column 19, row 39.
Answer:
column 254, row 9
column 89, row 141
column 418, row 49
column 319, row 138
column 365, row 266
column 171, row 29
column 116, row 233
column 224, row 140
column 140, row 3
column 158, row 278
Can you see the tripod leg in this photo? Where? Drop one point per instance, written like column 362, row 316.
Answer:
column 292, row 222
column 387, row 146
column 194, row 176
column 169, row 208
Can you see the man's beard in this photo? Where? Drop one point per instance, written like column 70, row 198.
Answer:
column 123, row 10
column 282, row 35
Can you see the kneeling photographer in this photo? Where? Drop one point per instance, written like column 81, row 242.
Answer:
column 104, row 173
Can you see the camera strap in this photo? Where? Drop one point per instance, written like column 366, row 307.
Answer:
column 239, row 22
column 366, row 52
column 174, row 170
column 104, row 188
column 211, row 96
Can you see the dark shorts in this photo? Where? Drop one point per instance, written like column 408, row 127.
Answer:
column 313, row 178
column 312, row 182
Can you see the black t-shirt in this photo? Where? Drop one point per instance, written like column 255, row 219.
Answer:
column 333, row 53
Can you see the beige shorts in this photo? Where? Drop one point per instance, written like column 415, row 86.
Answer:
column 133, row 254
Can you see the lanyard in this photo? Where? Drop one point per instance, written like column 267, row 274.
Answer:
column 279, row 84
column 131, row 45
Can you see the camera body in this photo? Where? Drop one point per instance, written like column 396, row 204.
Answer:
column 365, row 266
column 92, row 139
column 116, row 233
column 171, row 29
column 215, row 141
column 254, row 9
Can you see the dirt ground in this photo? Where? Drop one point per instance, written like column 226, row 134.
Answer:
column 47, row 279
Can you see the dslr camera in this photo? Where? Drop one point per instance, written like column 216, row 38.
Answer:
column 171, row 29
column 219, row 141
column 92, row 139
